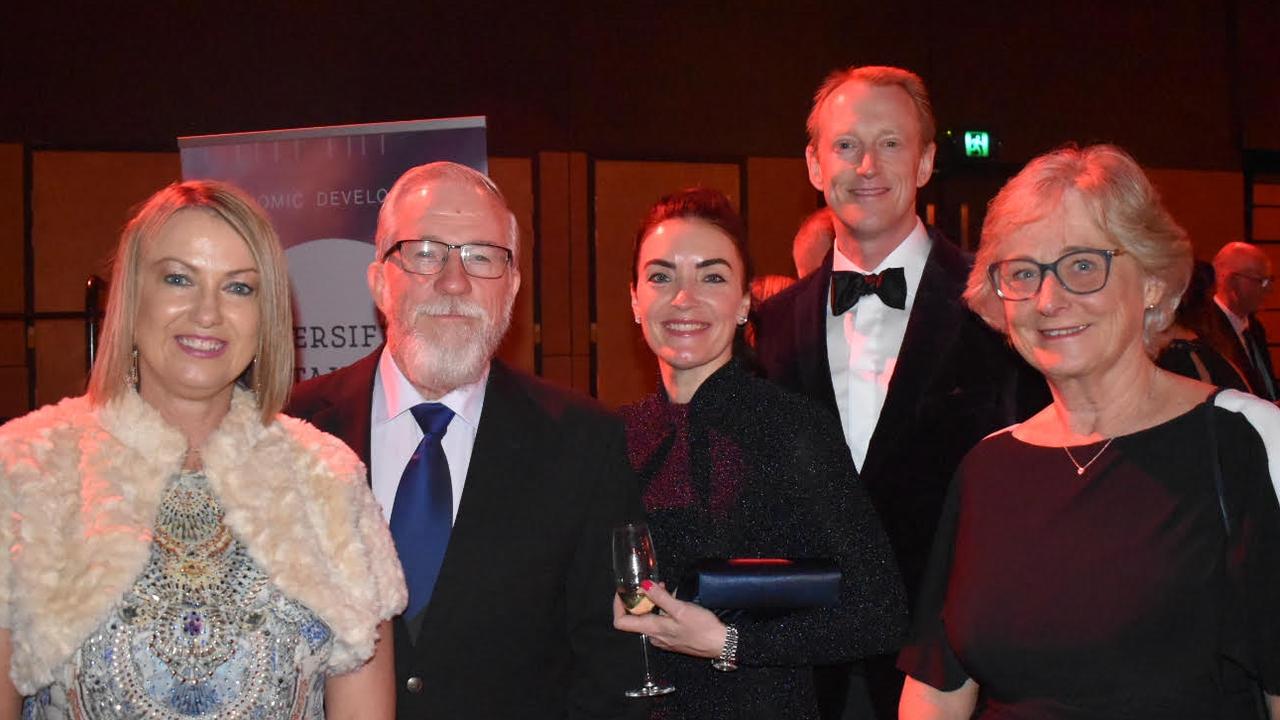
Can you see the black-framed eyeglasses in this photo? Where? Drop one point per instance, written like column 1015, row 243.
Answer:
column 427, row 257
column 1263, row 280
column 1079, row 271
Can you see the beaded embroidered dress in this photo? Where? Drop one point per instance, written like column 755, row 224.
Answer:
column 202, row 633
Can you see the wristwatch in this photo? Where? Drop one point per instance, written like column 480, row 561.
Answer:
column 728, row 660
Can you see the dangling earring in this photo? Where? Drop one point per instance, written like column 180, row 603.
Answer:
column 257, row 378
column 637, row 319
column 131, row 378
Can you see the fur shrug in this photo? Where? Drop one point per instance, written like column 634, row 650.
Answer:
column 79, row 490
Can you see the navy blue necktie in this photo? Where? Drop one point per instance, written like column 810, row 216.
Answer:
column 422, row 516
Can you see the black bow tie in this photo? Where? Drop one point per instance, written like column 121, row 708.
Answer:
column 846, row 287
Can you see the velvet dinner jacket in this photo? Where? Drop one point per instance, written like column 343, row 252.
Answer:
column 520, row 622
column 1228, row 343
column 955, row 382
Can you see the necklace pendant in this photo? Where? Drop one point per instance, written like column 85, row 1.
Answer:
column 1080, row 469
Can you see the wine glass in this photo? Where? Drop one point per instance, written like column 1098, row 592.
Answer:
column 634, row 562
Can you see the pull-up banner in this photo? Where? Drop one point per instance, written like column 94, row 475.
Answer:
column 322, row 188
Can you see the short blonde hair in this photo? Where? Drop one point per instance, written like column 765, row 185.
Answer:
column 272, row 371
column 1124, row 206
column 876, row 76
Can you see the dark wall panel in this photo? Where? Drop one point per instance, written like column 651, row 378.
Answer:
column 12, row 230
column 80, row 203
column 1183, row 83
column 1152, row 77
column 626, row 369
column 1257, row 76
column 515, row 177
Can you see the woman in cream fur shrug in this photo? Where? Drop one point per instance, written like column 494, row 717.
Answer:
column 79, row 490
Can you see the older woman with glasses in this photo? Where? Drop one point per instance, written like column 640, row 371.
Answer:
column 1114, row 556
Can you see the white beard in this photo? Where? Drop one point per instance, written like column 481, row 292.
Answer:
column 437, row 360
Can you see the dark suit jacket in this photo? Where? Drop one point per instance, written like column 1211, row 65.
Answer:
column 956, row 381
column 520, row 622
column 1226, row 341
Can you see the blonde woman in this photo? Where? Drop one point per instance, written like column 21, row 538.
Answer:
column 171, row 546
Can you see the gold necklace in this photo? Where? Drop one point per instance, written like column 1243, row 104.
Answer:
column 1081, row 468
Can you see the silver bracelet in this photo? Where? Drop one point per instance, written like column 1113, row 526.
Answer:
column 728, row 660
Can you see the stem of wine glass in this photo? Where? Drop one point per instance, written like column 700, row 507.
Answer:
column 644, row 646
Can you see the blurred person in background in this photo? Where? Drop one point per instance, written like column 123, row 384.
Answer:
column 1182, row 348
column 813, row 241
column 1244, row 282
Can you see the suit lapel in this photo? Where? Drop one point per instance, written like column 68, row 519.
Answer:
column 936, row 319
column 499, row 458
column 1260, row 354
column 347, row 416
column 1236, row 351
column 811, row 310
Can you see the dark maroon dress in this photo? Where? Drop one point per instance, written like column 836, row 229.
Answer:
column 1113, row 594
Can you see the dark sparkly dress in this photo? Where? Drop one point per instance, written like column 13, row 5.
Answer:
column 1115, row 594
column 748, row 470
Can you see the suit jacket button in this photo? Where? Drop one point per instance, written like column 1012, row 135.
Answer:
column 413, row 685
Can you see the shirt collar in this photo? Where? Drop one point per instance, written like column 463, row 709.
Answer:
column 398, row 395
column 1237, row 323
column 910, row 255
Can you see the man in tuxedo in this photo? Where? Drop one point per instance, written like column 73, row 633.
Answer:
column 500, row 490
column 880, row 336
column 1244, row 280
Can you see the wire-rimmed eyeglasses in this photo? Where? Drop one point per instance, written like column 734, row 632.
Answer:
column 428, row 257
column 1079, row 271
column 1263, row 280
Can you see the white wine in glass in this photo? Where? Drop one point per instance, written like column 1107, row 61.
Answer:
column 634, row 561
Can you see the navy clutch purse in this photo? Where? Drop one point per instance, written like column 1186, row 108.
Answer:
column 762, row 585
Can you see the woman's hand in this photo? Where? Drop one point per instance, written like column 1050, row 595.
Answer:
column 924, row 702
column 684, row 627
column 369, row 691
column 10, row 700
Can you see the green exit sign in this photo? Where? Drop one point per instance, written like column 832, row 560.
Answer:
column 977, row 143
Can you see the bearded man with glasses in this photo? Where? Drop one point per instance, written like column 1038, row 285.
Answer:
column 500, row 490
